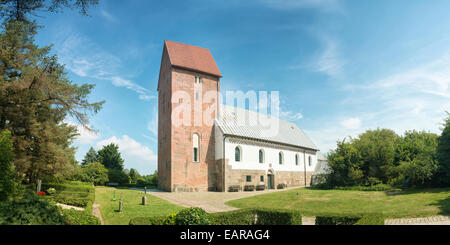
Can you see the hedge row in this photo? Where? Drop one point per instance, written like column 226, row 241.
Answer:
column 238, row 217
column 75, row 217
column 74, row 193
column 358, row 219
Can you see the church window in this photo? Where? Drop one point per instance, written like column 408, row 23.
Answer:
column 237, row 154
column 261, row 178
column 195, row 145
column 280, row 157
column 261, row 156
column 309, row 161
column 296, row 159
column 249, row 178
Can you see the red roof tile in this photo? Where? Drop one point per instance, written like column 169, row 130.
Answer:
column 192, row 58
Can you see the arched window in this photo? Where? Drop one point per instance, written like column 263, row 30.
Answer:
column 296, row 159
column 237, row 154
column 309, row 161
column 195, row 146
column 280, row 157
column 261, row 156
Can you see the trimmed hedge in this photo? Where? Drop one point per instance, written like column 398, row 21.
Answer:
column 75, row 217
column 249, row 188
column 361, row 219
column 192, row 216
column 157, row 220
column 238, row 217
column 260, row 187
column 234, row 188
column 74, row 193
column 278, row 217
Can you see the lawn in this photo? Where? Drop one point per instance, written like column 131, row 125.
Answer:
column 311, row 202
column 131, row 205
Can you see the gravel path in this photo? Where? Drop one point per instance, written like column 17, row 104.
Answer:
column 96, row 212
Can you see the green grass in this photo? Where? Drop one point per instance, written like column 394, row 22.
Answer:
column 411, row 203
column 132, row 207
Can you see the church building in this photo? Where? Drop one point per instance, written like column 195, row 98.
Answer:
column 229, row 153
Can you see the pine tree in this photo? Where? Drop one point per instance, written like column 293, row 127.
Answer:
column 110, row 156
column 90, row 157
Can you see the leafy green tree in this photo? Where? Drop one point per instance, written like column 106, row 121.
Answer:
column 345, row 165
column 90, row 157
column 95, row 172
column 443, row 154
column 134, row 175
column 7, row 183
column 118, row 176
column 416, row 158
column 377, row 149
column 110, row 156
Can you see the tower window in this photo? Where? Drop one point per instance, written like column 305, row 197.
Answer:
column 195, row 144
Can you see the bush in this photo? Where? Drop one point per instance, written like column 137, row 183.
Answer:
column 170, row 220
column 157, row 220
column 74, row 193
column 192, row 216
column 234, row 188
column 238, row 217
column 249, row 188
column 7, row 183
column 278, row 217
column 118, row 176
column 379, row 187
column 30, row 210
column 281, row 186
column 75, row 217
column 357, row 219
column 260, row 187
column 258, row 217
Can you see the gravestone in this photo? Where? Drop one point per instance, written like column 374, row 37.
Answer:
column 144, row 200
column 121, row 203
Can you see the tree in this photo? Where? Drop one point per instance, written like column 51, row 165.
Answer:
column 35, row 98
column 96, row 172
column 345, row 165
column 109, row 156
column 134, row 175
column 90, row 157
column 118, row 176
column 443, row 154
column 7, row 184
column 19, row 10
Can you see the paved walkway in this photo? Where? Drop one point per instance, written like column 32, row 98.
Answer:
column 434, row 220
column 65, row 206
column 211, row 202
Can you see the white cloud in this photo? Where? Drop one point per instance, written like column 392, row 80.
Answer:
column 152, row 125
column 135, row 154
column 86, row 59
column 85, row 136
column 290, row 115
column 329, row 60
column 351, row 123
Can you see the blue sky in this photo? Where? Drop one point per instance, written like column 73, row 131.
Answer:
column 341, row 67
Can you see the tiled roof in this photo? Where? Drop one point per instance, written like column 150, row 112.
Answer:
column 250, row 124
column 191, row 58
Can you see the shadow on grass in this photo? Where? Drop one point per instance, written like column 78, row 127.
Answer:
column 424, row 190
column 443, row 205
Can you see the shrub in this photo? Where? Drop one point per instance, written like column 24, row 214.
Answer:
column 170, row 220
column 118, row 176
column 192, row 216
column 51, row 191
column 379, row 187
column 260, row 187
column 356, row 219
column 238, row 217
column 281, row 186
column 157, row 220
column 278, row 217
column 249, row 188
column 74, row 193
column 75, row 217
column 30, row 210
column 7, row 183
column 234, row 188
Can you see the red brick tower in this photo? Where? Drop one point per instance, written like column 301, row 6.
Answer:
column 188, row 87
